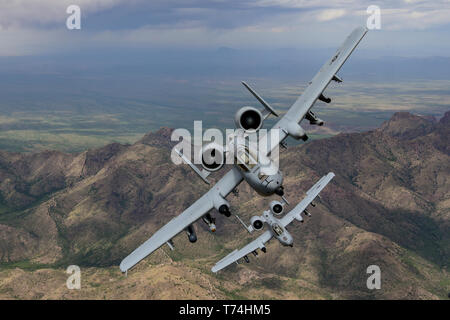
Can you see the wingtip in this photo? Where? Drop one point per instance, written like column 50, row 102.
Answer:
column 362, row 28
column 122, row 267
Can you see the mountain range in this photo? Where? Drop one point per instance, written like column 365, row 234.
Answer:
column 389, row 205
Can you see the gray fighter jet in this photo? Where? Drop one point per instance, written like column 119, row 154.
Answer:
column 276, row 226
column 249, row 120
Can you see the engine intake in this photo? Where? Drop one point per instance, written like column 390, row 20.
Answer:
column 249, row 118
column 276, row 207
column 257, row 223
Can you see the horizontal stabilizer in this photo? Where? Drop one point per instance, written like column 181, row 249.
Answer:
column 202, row 173
column 268, row 109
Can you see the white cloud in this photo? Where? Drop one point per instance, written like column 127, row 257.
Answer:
column 395, row 14
column 331, row 14
column 29, row 12
column 414, row 18
column 306, row 3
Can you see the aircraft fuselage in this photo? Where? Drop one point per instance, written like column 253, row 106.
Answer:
column 265, row 180
column 265, row 185
column 277, row 229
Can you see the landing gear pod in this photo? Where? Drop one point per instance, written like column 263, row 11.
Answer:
column 314, row 119
column 225, row 210
column 279, row 191
column 222, row 205
column 296, row 132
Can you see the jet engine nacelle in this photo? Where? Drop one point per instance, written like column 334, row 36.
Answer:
column 276, row 207
column 249, row 118
column 213, row 157
column 257, row 222
column 295, row 131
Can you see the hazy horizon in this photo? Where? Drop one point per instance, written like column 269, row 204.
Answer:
column 136, row 66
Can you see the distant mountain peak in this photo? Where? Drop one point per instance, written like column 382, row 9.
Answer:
column 405, row 125
column 158, row 138
column 445, row 120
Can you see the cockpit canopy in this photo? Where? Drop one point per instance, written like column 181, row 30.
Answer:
column 277, row 229
column 246, row 159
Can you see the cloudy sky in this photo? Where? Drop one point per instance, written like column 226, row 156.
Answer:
column 408, row 27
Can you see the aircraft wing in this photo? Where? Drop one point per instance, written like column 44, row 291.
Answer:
column 318, row 84
column 200, row 207
column 234, row 256
column 311, row 194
